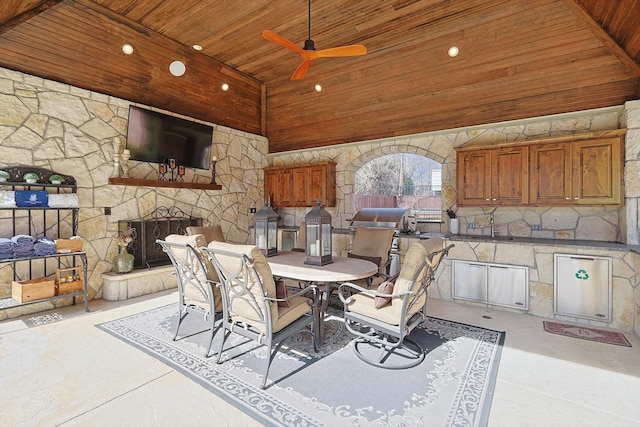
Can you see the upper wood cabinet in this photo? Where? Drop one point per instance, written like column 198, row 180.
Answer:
column 570, row 170
column 301, row 185
column 497, row 176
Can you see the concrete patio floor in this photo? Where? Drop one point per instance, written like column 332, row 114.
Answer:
column 70, row 373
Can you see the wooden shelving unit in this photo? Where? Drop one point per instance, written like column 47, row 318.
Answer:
column 135, row 182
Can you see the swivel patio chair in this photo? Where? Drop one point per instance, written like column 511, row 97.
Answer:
column 196, row 277
column 382, row 320
column 251, row 306
column 210, row 233
column 373, row 244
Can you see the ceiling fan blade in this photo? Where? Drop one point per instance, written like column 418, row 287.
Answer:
column 352, row 50
column 279, row 40
column 301, row 71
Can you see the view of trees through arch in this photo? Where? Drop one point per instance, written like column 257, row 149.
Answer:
column 400, row 180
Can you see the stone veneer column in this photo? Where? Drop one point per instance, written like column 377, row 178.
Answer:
column 631, row 121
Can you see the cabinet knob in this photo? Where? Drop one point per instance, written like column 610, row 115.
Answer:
column 487, row 200
column 495, row 199
column 567, row 198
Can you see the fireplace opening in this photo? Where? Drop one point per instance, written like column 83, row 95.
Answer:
column 157, row 225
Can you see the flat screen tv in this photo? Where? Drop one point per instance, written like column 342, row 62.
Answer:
column 155, row 137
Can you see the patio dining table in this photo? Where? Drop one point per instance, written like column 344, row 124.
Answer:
column 290, row 265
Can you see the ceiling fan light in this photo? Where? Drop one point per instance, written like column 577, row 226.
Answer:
column 453, row 51
column 127, row 49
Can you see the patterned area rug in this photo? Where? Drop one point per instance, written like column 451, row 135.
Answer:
column 452, row 387
column 591, row 334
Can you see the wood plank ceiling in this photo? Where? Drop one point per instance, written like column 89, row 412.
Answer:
column 518, row 59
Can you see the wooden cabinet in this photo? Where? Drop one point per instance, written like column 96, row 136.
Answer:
column 550, row 171
column 577, row 173
column 278, row 186
column 497, row 176
column 570, row 170
column 301, row 185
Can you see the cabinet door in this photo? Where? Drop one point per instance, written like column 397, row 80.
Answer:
column 285, row 187
column 469, row 281
column 582, row 286
column 508, row 286
column 597, row 172
column 317, row 184
column 300, row 187
column 510, row 176
column 474, row 178
column 271, row 187
column 550, row 171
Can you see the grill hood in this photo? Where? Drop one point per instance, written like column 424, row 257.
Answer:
column 381, row 217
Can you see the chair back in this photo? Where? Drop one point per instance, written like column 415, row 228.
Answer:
column 415, row 277
column 211, row 233
column 246, row 280
column 372, row 243
column 195, row 273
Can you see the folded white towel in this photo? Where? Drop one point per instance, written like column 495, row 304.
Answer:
column 7, row 199
column 67, row 200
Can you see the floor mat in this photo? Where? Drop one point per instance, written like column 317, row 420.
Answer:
column 585, row 333
column 453, row 386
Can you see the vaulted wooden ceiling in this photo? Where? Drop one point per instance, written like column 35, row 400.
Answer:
column 518, row 59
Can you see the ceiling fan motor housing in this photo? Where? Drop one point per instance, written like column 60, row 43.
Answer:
column 309, row 45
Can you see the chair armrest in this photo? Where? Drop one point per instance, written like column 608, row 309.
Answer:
column 307, row 289
column 369, row 292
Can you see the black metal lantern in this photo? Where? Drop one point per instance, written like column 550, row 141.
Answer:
column 318, row 236
column 266, row 228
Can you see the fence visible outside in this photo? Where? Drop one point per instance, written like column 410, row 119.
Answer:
column 423, row 201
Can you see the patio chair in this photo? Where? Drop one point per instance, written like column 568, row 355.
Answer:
column 251, row 305
column 373, row 244
column 196, row 276
column 383, row 319
column 210, row 233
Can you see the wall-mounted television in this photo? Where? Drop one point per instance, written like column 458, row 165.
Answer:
column 155, row 137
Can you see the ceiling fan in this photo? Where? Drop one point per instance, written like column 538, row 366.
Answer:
column 309, row 52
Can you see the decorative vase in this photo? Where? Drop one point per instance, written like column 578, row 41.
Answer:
column 123, row 262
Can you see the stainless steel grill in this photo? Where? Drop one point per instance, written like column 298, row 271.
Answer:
column 395, row 218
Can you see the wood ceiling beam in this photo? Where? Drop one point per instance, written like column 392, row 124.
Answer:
column 25, row 16
column 603, row 36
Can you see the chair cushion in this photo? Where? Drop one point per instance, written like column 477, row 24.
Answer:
column 191, row 294
column 363, row 304
column 212, row 233
column 373, row 242
column 374, row 259
column 414, row 258
column 298, row 306
column 264, row 271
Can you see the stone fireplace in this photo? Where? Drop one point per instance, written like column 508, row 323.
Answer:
column 157, row 225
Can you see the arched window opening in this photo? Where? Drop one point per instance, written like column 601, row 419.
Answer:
column 401, row 181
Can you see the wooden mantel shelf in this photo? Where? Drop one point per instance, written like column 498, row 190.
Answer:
column 135, row 182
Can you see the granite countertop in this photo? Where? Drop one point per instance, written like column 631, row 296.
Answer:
column 548, row 242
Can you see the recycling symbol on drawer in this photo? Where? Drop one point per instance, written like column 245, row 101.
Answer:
column 582, row 275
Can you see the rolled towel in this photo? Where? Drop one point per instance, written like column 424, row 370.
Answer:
column 66, row 200
column 7, row 199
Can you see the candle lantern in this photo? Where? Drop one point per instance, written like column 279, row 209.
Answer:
column 318, row 236
column 266, row 229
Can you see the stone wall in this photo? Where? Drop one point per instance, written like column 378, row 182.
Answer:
column 574, row 223
column 73, row 131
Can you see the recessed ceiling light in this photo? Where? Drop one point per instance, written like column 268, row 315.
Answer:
column 127, row 49
column 197, row 47
column 225, row 87
column 177, row 68
column 453, row 51
column 318, row 88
